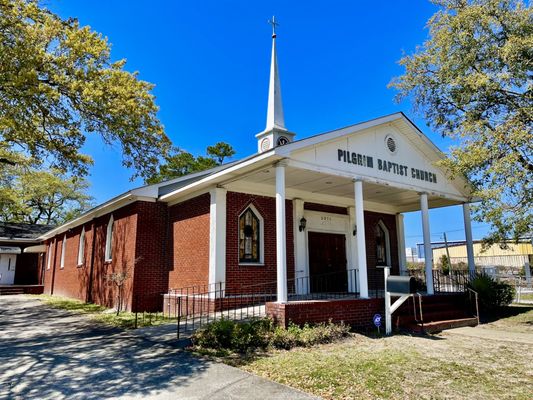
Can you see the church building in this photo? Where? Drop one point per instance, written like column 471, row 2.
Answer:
column 330, row 205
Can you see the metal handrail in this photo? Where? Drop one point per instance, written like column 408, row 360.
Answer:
column 196, row 305
column 476, row 295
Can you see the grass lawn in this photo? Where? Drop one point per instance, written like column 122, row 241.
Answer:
column 444, row 366
column 125, row 320
column 526, row 296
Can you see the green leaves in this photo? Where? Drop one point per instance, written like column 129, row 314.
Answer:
column 180, row 162
column 472, row 81
column 58, row 83
column 41, row 197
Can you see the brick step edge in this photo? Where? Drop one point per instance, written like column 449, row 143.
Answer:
column 438, row 326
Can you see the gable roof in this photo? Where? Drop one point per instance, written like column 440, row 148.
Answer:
column 171, row 190
column 14, row 231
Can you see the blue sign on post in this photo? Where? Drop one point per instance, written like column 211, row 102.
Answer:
column 377, row 320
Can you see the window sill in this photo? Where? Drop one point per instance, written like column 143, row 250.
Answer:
column 80, row 265
column 108, row 261
column 252, row 264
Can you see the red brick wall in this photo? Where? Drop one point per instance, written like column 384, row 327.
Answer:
column 189, row 239
column 375, row 275
column 355, row 312
column 74, row 281
column 70, row 281
column 151, row 261
column 242, row 275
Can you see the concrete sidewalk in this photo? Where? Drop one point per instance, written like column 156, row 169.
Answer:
column 53, row 354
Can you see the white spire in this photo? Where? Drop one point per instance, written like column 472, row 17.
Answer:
column 275, row 133
column 275, row 119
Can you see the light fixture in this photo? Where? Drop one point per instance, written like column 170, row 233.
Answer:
column 303, row 223
column 355, row 230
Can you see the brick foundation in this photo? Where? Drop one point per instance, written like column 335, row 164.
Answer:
column 355, row 312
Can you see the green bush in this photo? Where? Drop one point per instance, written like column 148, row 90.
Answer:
column 262, row 333
column 492, row 294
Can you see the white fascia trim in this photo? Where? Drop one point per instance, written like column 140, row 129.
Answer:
column 213, row 178
column 21, row 240
column 335, row 134
column 105, row 208
column 336, row 172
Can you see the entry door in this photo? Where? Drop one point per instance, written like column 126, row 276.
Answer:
column 327, row 262
column 7, row 269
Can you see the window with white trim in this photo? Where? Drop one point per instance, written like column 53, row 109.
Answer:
column 63, row 247
column 250, row 237
column 81, row 247
column 49, row 261
column 109, row 240
column 382, row 245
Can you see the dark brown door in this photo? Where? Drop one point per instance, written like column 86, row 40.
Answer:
column 327, row 262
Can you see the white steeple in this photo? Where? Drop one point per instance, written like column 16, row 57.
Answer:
column 275, row 133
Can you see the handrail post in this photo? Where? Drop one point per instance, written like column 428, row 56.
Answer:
column 179, row 318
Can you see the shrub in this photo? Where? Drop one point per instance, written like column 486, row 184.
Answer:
column 491, row 293
column 445, row 264
column 261, row 333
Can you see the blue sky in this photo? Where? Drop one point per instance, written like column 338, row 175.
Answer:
column 210, row 61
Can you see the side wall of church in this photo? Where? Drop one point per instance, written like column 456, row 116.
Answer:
column 189, row 243
column 74, row 280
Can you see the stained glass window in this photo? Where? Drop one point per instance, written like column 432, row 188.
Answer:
column 249, row 232
column 381, row 245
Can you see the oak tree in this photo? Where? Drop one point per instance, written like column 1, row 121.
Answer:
column 180, row 162
column 59, row 83
column 38, row 196
column 472, row 81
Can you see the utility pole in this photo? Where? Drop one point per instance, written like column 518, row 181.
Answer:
column 447, row 251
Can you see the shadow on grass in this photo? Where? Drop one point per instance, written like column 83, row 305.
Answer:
column 506, row 312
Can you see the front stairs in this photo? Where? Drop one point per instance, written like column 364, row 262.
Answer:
column 436, row 313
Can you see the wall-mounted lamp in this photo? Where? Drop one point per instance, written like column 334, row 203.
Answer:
column 303, row 223
column 355, row 230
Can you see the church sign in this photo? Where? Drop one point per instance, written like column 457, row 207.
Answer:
column 385, row 165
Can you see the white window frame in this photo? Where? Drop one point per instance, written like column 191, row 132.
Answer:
column 109, row 240
column 49, row 261
column 261, row 261
column 387, row 241
column 81, row 248
column 63, row 246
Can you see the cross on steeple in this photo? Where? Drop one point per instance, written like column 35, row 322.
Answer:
column 274, row 24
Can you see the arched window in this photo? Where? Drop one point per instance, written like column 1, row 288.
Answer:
column 382, row 245
column 49, row 261
column 81, row 247
column 250, row 236
column 63, row 247
column 109, row 240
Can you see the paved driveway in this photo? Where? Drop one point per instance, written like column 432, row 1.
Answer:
column 52, row 354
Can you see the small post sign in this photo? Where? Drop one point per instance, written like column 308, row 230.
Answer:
column 377, row 320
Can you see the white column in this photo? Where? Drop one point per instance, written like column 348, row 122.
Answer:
column 217, row 239
column 300, row 257
column 281, row 234
column 361, row 242
column 469, row 241
column 428, row 252
column 400, row 233
column 353, row 281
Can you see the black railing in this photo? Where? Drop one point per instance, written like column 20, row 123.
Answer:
column 195, row 306
column 453, row 281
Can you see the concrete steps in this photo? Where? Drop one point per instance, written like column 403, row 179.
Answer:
column 10, row 291
column 21, row 289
